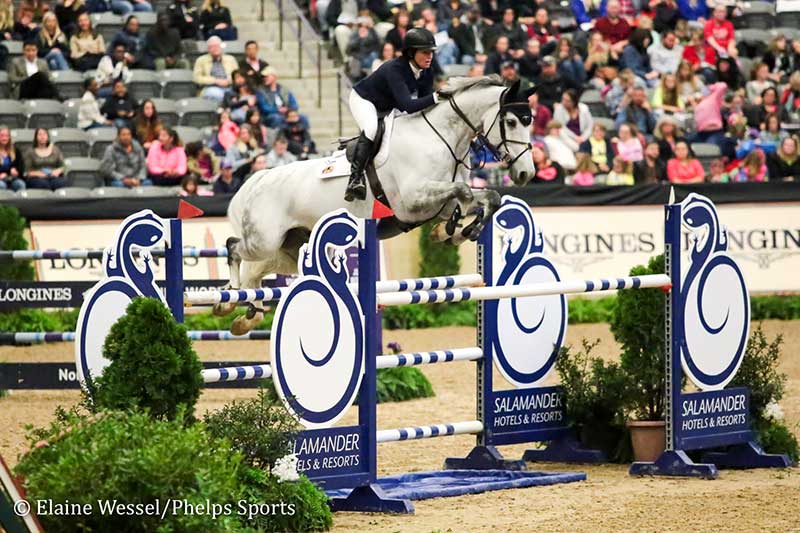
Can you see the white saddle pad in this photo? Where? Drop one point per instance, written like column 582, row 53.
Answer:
column 336, row 165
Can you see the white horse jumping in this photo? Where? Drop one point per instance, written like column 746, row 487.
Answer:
column 424, row 178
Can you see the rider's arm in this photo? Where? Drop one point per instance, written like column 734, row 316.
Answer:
column 402, row 97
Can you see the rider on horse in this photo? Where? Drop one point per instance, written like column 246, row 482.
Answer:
column 404, row 83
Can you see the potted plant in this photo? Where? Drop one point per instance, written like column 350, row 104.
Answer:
column 638, row 325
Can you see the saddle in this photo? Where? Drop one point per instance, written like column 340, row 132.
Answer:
column 349, row 145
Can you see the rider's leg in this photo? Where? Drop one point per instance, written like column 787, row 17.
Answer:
column 366, row 117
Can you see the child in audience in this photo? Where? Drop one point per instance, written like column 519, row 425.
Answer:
column 621, row 172
column 585, row 171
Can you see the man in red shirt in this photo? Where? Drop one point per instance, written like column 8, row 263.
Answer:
column 719, row 36
column 613, row 27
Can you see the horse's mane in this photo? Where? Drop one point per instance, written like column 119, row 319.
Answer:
column 461, row 84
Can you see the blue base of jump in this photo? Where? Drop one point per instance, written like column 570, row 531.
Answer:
column 484, row 458
column 392, row 494
column 748, row 455
column 565, row 450
column 675, row 463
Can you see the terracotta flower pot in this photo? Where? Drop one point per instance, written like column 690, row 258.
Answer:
column 648, row 439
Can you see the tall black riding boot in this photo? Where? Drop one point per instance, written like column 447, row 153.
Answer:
column 357, row 187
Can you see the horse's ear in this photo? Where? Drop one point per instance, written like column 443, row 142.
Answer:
column 524, row 95
column 513, row 91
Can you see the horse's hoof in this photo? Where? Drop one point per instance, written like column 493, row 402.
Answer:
column 222, row 309
column 241, row 326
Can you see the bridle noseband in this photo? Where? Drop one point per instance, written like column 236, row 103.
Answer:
column 481, row 138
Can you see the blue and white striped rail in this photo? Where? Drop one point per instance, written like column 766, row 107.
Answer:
column 38, row 255
column 236, row 373
column 14, row 338
column 211, row 297
column 428, row 358
column 426, row 432
column 519, row 291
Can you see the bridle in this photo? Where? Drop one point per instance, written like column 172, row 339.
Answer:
column 481, row 138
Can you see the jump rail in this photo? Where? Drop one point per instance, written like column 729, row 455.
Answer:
column 15, row 338
column 39, row 255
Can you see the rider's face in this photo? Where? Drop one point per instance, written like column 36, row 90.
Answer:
column 423, row 58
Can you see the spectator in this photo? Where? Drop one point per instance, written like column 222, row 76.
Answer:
column 468, row 33
column 44, row 164
column 667, row 99
column 124, row 163
column 541, row 116
column 575, row 116
column 695, row 54
column 759, row 82
column 134, row 44
column 67, row 13
column 693, row 10
column 584, row 171
column 769, row 104
column 387, row 53
column 784, row 164
column 498, row 56
column 621, row 172
column 242, row 152
column 719, row 36
column 771, row 132
column 651, row 169
column 510, row 28
column 620, row 92
column 112, row 67
column 666, row 55
column 226, row 183
column 529, row 67
column 547, row 170
column 277, row 102
column 636, row 110
column 200, row 161
column 212, row 71
column 402, row 23
column 728, row 73
column 716, row 172
column 752, row 168
column 280, row 154
column 599, row 148
column 29, row 75
column 362, row 47
column 89, row 115
column 550, row 84
column 126, row 7
column 7, row 20
column 570, row 65
column 690, row 86
column 509, row 74
column 86, row 46
column 635, row 58
column 259, row 163
column 543, row 30
column 684, row 168
column 227, row 133
column 450, row 10
column 790, row 100
column 215, row 21
column 29, row 19
column 587, row 11
column 10, row 163
column 708, row 116
column 120, row 107
column 559, row 147
column 147, row 125
column 166, row 159
column 252, row 65
column 53, row 46
column 627, row 143
column 163, row 45
column 668, row 134
column 190, row 186
column 779, row 58
column 183, row 17
column 666, row 16
column 241, row 98
column 300, row 143
column 614, row 28
column 261, row 134
column 599, row 57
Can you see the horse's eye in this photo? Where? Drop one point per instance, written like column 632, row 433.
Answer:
column 511, row 123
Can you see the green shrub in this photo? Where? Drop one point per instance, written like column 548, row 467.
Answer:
column 305, row 506
column 260, row 428
column 776, row 437
column 591, row 310
column 594, row 395
column 638, row 325
column 133, row 459
column 401, row 384
column 759, row 372
column 436, row 258
column 12, row 237
column 152, row 364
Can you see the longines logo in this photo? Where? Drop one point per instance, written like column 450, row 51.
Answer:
column 764, row 247
column 579, row 250
column 32, row 294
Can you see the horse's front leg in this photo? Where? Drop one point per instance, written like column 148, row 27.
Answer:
column 441, row 199
column 486, row 203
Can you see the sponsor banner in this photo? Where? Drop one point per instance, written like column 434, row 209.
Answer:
column 518, row 409
column 45, row 376
column 331, row 452
column 711, row 413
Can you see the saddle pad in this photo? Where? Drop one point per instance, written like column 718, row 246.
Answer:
column 336, row 165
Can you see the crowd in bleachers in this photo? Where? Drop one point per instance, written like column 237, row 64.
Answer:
column 134, row 95
column 627, row 91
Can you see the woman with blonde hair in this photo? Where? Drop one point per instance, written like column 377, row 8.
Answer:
column 790, row 100
column 242, row 153
column 6, row 20
column 784, row 164
column 215, row 19
column 53, row 46
column 10, row 163
column 666, row 98
column 87, row 47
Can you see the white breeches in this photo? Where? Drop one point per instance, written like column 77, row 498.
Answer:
column 365, row 114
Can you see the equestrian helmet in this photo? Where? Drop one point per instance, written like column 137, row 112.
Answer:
column 419, row 39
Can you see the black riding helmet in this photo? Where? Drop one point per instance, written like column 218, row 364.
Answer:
column 418, row 39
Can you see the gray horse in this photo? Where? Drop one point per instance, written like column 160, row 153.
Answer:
column 424, row 178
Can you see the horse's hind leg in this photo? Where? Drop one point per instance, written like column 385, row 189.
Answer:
column 252, row 274
column 234, row 264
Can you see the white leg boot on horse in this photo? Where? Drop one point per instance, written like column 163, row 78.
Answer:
column 234, row 263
